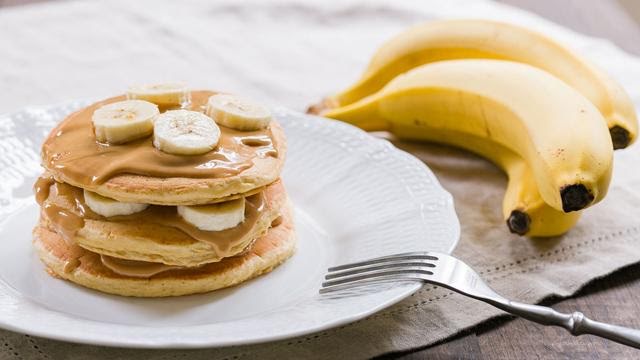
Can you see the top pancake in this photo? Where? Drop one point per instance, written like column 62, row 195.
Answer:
column 164, row 185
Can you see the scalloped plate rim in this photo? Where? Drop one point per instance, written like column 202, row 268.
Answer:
column 143, row 342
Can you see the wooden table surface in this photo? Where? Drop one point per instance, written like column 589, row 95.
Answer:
column 610, row 299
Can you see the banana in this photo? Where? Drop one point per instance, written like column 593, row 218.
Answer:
column 237, row 113
column 557, row 131
column 109, row 207
column 124, row 121
column 214, row 217
column 465, row 39
column 184, row 132
column 164, row 95
column 523, row 209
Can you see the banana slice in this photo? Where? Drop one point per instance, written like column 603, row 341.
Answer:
column 109, row 207
column 214, row 217
column 237, row 113
column 124, row 121
column 164, row 95
column 184, row 132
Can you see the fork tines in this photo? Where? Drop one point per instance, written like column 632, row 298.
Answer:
column 399, row 267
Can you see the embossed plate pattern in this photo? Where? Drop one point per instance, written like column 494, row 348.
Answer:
column 355, row 197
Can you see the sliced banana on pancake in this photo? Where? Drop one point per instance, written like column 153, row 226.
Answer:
column 109, row 207
column 214, row 217
column 124, row 121
column 165, row 95
column 237, row 113
column 184, row 132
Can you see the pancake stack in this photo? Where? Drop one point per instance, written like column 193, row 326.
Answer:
column 164, row 192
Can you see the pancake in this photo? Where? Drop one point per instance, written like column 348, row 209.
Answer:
column 129, row 184
column 269, row 251
column 155, row 242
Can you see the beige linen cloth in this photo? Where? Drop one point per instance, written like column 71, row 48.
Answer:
column 292, row 53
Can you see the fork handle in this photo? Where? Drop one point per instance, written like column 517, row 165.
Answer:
column 576, row 323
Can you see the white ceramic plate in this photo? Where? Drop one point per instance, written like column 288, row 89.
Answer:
column 355, row 197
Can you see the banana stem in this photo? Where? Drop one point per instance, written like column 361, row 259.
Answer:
column 363, row 114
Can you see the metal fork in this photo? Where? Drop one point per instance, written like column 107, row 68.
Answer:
column 451, row 273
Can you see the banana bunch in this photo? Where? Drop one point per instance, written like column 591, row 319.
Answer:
column 545, row 116
column 482, row 39
column 522, row 207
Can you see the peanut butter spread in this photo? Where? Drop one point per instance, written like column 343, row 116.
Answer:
column 134, row 268
column 68, row 221
column 73, row 151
